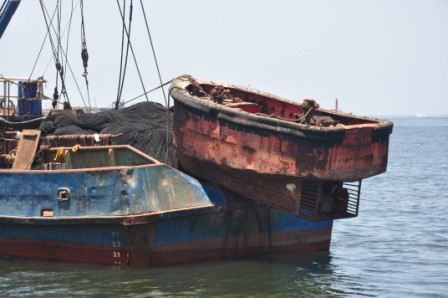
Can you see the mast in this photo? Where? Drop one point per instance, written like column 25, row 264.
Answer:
column 6, row 12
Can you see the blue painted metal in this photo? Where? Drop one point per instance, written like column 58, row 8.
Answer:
column 96, row 192
column 28, row 102
column 9, row 7
column 133, row 184
column 142, row 215
column 27, row 90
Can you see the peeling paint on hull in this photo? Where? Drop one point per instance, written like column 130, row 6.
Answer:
column 270, row 141
column 264, row 147
column 143, row 214
column 158, row 240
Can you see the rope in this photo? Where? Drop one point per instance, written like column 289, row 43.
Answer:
column 67, row 28
column 59, row 67
column 3, row 6
column 77, row 85
column 167, row 103
column 131, row 8
column 84, row 52
column 154, row 53
column 60, row 55
column 143, row 94
column 168, row 124
column 132, row 51
column 40, row 51
column 117, row 102
column 122, row 74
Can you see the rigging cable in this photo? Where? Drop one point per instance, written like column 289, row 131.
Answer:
column 55, row 57
column 55, row 95
column 59, row 68
column 153, row 52
column 131, row 8
column 117, row 102
column 58, row 64
column 122, row 76
column 84, row 52
column 132, row 51
column 3, row 5
column 68, row 38
column 38, row 55
column 59, row 47
column 143, row 94
column 167, row 104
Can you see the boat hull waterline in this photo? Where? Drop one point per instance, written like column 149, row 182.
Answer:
column 116, row 205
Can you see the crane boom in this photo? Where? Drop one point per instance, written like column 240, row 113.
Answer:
column 6, row 12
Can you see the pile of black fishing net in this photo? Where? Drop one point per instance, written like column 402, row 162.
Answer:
column 143, row 126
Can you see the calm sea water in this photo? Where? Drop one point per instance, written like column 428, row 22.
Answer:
column 397, row 247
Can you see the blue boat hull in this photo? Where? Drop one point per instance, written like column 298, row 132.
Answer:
column 146, row 214
column 226, row 231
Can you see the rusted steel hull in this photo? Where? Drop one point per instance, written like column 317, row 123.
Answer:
column 264, row 147
column 295, row 195
column 228, row 230
column 115, row 205
column 259, row 133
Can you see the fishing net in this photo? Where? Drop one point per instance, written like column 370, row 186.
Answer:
column 143, row 126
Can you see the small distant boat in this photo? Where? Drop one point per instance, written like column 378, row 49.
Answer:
column 274, row 150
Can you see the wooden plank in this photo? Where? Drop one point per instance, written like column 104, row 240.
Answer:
column 27, row 149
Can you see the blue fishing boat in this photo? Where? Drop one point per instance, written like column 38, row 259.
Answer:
column 106, row 187
column 117, row 205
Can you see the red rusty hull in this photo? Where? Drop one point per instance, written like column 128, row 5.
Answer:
column 275, row 190
column 63, row 252
column 233, row 247
column 315, row 240
column 232, row 230
column 358, row 155
column 240, row 139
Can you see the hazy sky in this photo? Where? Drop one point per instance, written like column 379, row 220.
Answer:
column 382, row 57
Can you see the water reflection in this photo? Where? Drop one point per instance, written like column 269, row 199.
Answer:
column 279, row 275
